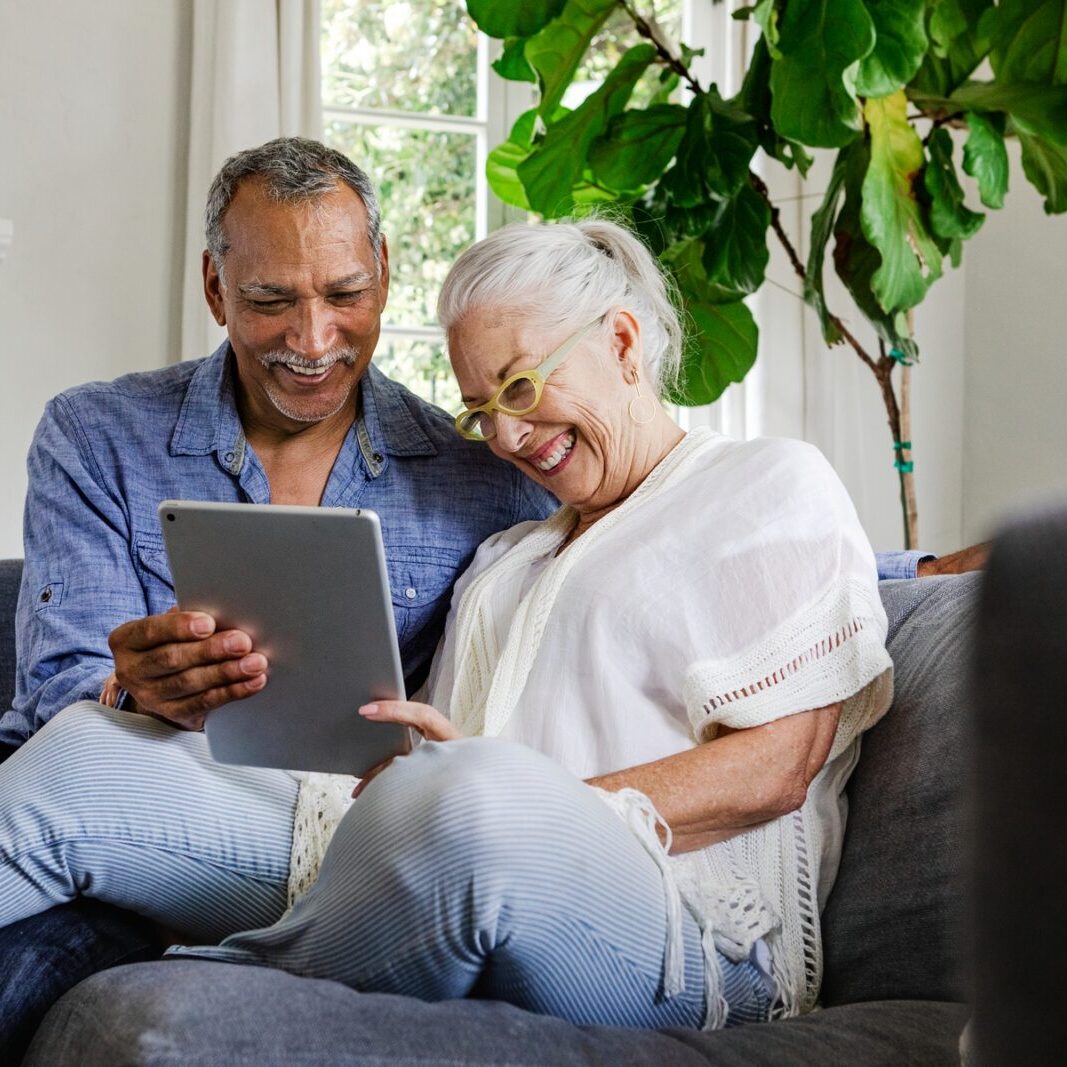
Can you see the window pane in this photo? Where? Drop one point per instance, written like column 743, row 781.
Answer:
column 412, row 56
column 423, row 367
column 426, row 184
column 615, row 37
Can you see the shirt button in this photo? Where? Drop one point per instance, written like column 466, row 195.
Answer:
column 228, row 457
column 410, row 593
column 377, row 457
column 46, row 595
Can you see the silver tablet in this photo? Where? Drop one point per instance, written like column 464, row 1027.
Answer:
column 310, row 587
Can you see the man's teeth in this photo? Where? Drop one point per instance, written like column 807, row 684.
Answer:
column 554, row 458
column 310, row 372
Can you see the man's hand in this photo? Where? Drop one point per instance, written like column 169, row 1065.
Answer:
column 178, row 669
column 973, row 558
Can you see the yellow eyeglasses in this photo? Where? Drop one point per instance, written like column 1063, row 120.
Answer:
column 519, row 394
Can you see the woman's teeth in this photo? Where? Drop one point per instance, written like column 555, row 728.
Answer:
column 553, row 459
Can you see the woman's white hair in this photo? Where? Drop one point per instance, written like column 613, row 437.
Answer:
column 567, row 274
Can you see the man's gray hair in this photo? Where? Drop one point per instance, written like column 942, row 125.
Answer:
column 567, row 274
column 293, row 169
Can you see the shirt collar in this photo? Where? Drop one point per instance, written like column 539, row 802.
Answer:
column 389, row 421
column 209, row 421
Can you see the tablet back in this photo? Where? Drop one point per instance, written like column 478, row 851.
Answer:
column 310, row 586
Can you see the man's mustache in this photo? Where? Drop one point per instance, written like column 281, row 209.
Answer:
column 346, row 355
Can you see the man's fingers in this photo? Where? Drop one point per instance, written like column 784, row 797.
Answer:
column 190, row 712
column 177, row 657
column 201, row 679
column 141, row 635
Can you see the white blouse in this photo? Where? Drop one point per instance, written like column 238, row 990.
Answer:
column 734, row 587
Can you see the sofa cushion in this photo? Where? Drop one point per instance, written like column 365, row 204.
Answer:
column 193, row 1012
column 892, row 926
column 10, row 576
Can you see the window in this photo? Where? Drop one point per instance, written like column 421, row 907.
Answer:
column 408, row 93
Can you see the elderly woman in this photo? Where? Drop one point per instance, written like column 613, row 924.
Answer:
column 639, row 723
column 675, row 670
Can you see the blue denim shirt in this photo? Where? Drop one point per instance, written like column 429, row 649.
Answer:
column 900, row 564
column 105, row 455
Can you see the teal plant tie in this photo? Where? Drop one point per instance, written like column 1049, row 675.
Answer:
column 901, row 465
column 897, row 356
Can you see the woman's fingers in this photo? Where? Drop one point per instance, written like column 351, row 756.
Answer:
column 369, row 777
column 427, row 720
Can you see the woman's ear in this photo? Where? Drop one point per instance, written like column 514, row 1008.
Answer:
column 626, row 343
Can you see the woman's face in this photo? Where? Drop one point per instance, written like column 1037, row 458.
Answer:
column 579, row 442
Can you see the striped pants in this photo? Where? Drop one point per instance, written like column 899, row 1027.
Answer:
column 472, row 868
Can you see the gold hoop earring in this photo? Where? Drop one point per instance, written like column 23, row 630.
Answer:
column 645, row 405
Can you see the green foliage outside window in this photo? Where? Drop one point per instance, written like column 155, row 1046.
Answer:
column 881, row 82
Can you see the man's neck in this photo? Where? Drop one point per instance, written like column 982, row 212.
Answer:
column 298, row 459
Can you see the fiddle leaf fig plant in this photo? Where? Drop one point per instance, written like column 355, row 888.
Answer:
column 880, row 82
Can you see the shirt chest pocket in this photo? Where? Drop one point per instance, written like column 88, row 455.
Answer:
column 420, row 586
column 153, row 572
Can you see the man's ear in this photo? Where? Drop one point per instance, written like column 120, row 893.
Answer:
column 383, row 281
column 626, row 342
column 213, row 288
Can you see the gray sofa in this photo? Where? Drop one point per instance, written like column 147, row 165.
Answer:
column 892, row 991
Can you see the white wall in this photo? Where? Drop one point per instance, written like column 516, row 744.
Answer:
column 1016, row 385
column 92, row 143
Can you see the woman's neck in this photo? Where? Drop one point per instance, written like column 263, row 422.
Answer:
column 653, row 448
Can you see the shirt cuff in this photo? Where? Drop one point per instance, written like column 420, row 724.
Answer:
column 893, row 565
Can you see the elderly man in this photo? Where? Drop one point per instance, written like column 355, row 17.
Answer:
column 289, row 410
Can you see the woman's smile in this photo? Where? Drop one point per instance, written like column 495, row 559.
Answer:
column 554, row 456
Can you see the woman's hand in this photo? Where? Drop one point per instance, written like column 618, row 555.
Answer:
column 429, row 722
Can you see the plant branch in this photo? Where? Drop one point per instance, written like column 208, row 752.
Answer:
column 671, row 61
column 776, row 224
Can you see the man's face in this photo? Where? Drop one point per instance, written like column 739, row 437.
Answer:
column 301, row 301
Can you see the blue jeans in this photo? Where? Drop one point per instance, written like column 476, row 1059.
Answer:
column 43, row 956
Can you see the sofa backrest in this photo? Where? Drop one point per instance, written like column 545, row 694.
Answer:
column 892, row 928
column 10, row 576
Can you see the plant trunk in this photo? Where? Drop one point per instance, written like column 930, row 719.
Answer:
column 899, row 417
column 907, row 476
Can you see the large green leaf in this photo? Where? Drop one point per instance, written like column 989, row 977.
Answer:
column 822, row 224
column 1045, row 165
column 856, row 260
column 721, row 349
column 813, row 84
column 638, row 146
column 551, row 172
column 891, row 216
column 502, row 165
column 755, row 99
column 713, row 156
column 985, row 158
column 513, row 20
column 950, row 218
column 899, row 47
column 722, row 340
column 557, row 50
column 958, row 43
column 1030, row 41
column 735, row 245
column 512, row 62
column 765, row 15
column 1037, row 109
